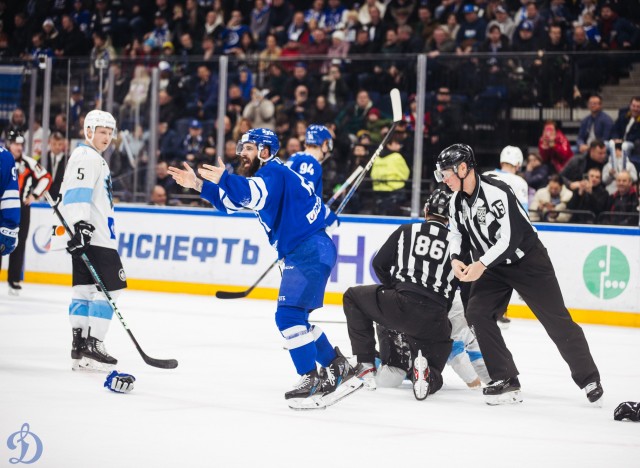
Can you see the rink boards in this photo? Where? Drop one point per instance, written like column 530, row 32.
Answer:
column 201, row 251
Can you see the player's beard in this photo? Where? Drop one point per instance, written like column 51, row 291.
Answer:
column 248, row 169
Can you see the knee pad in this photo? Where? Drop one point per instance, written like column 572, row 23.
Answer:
column 294, row 326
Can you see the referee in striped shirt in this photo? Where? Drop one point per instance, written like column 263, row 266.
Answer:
column 414, row 298
column 486, row 219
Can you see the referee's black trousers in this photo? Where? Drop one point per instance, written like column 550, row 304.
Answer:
column 534, row 279
column 423, row 320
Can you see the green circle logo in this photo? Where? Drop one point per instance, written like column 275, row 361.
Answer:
column 606, row 272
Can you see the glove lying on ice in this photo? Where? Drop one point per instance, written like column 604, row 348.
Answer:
column 79, row 243
column 627, row 410
column 119, row 383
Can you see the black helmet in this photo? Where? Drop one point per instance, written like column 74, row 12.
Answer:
column 15, row 136
column 438, row 204
column 452, row 156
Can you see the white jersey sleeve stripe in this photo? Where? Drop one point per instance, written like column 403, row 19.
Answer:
column 78, row 195
column 11, row 194
column 6, row 204
column 259, row 193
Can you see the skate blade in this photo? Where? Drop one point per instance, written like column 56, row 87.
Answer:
column 89, row 365
column 508, row 398
column 305, row 404
column 599, row 403
column 345, row 389
column 14, row 292
column 420, row 386
column 369, row 384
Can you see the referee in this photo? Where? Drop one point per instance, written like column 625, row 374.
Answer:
column 486, row 219
column 417, row 288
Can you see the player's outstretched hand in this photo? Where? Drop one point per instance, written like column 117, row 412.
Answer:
column 119, row 382
column 212, row 173
column 185, row 177
column 628, row 410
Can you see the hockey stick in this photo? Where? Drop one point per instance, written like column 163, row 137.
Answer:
column 396, row 105
column 161, row 363
column 246, row 292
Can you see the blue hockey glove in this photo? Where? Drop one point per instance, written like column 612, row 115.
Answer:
column 8, row 240
column 80, row 241
column 628, row 410
column 119, row 383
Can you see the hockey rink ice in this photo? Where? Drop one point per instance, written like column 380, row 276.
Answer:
column 224, row 405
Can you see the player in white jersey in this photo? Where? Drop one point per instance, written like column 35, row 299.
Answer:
column 510, row 161
column 87, row 205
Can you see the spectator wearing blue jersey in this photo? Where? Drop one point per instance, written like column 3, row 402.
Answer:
column 233, row 32
column 293, row 218
column 9, row 203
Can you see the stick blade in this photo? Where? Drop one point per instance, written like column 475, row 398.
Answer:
column 396, row 105
column 231, row 294
column 160, row 363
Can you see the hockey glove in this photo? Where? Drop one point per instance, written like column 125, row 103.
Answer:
column 628, row 410
column 79, row 243
column 8, row 240
column 119, row 383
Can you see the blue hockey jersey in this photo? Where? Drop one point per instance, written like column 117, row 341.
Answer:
column 309, row 168
column 9, row 193
column 285, row 203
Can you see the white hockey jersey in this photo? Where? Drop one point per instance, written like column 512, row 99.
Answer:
column 87, row 196
column 517, row 184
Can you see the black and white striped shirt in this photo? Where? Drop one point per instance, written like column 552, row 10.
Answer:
column 416, row 258
column 491, row 223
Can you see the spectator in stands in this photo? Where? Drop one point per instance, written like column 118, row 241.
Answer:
column 493, row 67
column 554, row 147
column 241, row 127
column 590, row 195
column 315, row 12
column 524, row 40
column 446, row 121
column 102, row 54
column 352, row 118
column 334, row 88
column 60, row 123
column 588, row 68
column 17, row 122
column 280, row 17
column 298, row 35
column 618, row 161
column 260, row 110
column 536, row 173
column 358, row 70
column 555, row 83
column 554, row 197
column 38, row 50
column 192, row 145
column 334, row 16
column 206, row 95
column 71, row 42
column 158, row 196
column 233, row 32
column 81, row 17
column 259, row 23
column 188, row 51
column 270, row 52
column 363, row 12
column 376, row 29
column 160, row 32
column 389, row 174
column 617, row 33
column 504, row 22
column 425, row 25
column 376, row 125
column 321, row 111
column 300, row 77
column 624, row 200
column 168, row 144
column 292, row 146
column 596, row 126
column 231, row 158
column 627, row 129
column 472, row 31
column 576, row 169
column 318, row 45
column 21, row 36
column 338, row 50
column 163, row 178
column 102, row 19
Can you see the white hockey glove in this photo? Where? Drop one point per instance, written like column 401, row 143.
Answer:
column 119, row 383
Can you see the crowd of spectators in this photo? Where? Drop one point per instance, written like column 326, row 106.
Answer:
column 333, row 62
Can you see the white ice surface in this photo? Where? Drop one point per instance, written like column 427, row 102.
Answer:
column 224, row 407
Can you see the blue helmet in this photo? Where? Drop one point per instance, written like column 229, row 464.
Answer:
column 318, row 134
column 262, row 138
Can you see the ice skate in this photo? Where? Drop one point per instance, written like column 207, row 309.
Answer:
column 502, row 392
column 420, row 377
column 94, row 349
column 504, row 322
column 85, row 364
column 339, row 380
column 366, row 372
column 594, row 393
column 306, row 394
column 14, row 288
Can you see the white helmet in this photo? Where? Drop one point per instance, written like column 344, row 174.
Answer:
column 98, row 118
column 511, row 155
